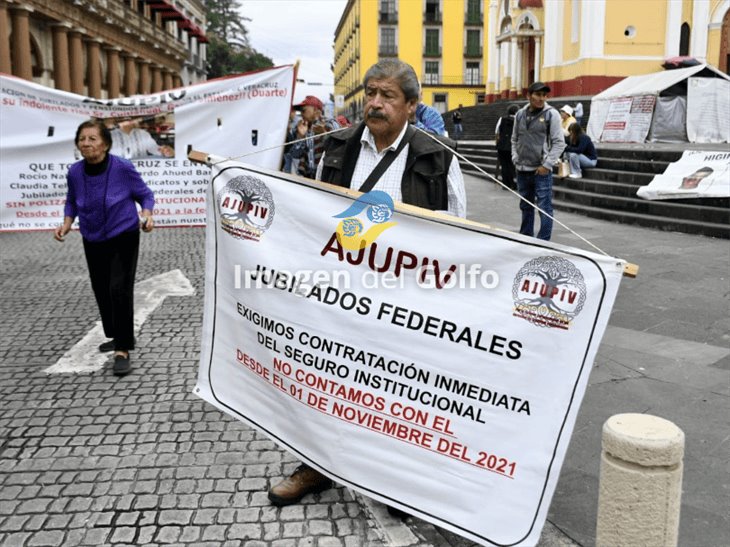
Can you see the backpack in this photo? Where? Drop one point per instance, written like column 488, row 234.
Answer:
column 504, row 136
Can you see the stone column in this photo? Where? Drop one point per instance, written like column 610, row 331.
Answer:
column 93, row 68
column 538, row 42
column 514, row 67
column 493, row 51
column 113, row 82
column 76, row 61
column 166, row 80
column 156, row 79
column 144, row 77
column 61, row 67
column 177, row 81
column 520, row 67
column 22, row 60
column 130, row 74
column 6, row 65
column 498, row 71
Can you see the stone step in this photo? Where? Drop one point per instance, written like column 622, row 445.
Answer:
column 653, row 166
column 628, row 178
column 608, row 191
column 651, row 221
column 658, row 208
column 606, row 150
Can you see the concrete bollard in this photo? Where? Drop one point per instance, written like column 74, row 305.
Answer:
column 641, row 482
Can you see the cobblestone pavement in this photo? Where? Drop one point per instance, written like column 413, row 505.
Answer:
column 92, row 459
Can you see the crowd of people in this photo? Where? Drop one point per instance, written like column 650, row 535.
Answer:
column 531, row 142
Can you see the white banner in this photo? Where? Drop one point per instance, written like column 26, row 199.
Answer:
column 438, row 369
column 708, row 110
column 696, row 174
column 628, row 119
column 235, row 116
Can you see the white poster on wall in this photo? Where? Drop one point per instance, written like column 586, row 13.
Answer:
column 432, row 364
column 239, row 116
column 628, row 119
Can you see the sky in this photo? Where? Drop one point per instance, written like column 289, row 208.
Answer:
column 291, row 30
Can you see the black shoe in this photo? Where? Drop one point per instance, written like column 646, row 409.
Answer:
column 109, row 345
column 397, row 513
column 106, row 346
column 122, row 365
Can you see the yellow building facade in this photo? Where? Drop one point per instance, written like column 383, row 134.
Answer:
column 581, row 47
column 444, row 41
column 472, row 51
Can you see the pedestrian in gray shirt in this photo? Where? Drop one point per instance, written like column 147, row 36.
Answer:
column 537, row 143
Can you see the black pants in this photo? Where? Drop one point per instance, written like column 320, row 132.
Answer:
column 508, row 168
column 112, row 267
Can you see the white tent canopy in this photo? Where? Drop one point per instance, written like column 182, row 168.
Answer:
column 680, row 105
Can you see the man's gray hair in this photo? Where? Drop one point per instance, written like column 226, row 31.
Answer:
column 402, row 72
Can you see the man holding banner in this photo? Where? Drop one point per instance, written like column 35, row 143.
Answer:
column 387, row 154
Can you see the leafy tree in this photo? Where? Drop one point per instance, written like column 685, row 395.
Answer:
column 229, row 51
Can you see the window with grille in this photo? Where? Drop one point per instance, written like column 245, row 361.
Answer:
column 432, row 48
column 388, row 41
column 431, row 73
column 473, row 43
column 472, row 74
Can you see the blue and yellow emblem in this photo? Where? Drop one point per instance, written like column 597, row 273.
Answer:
column 379, row 209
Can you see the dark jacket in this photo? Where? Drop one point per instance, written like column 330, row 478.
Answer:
column 424, row 181
column 504, row 135
column 539, row 141
column 584, row 146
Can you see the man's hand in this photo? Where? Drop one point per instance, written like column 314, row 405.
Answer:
column 302, row 128
column 542, row 170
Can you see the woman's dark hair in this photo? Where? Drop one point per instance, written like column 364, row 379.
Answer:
column 106, row 135
column 512, row 110
column 575, row 131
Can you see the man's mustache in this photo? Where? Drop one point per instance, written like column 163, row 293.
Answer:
column 377, row 114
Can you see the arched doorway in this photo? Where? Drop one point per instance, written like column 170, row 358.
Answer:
column 684, row 40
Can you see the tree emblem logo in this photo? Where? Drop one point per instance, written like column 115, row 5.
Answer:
column 246, row 207
column 549, row 291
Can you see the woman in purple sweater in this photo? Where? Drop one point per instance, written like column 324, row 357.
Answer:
column 103, row 191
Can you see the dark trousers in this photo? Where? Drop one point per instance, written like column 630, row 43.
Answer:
column 112, row 267
column 507, row 168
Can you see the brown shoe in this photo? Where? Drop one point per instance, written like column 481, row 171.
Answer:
column 303, row 481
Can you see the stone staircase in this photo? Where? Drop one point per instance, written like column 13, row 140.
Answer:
column 479, row 121
column 608, row 191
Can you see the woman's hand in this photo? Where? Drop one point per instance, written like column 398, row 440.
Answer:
column 60, row 232
column 147, row 222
